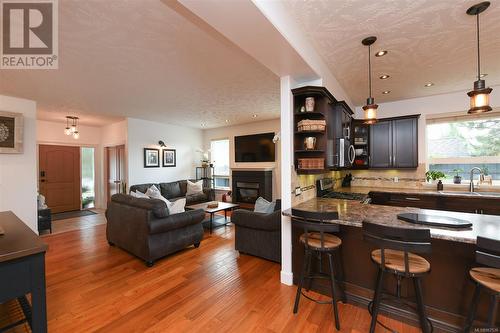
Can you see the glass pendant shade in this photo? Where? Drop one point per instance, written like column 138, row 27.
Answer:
column 76, row 135
column 67, row 131
column 370, row 111
column 479, row 98
column 73, row 128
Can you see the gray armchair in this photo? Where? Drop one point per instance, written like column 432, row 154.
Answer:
column 258, row 234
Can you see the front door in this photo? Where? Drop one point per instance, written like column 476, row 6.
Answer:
column 59, row 177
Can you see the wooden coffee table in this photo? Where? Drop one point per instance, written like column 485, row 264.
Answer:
column 223, row 206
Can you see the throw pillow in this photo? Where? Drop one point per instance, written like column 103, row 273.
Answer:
column 139, row 194
column 194, row 188
column 264, row 206
column 154, row 193
column 176, row 206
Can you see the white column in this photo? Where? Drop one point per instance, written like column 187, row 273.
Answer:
column 286, row 177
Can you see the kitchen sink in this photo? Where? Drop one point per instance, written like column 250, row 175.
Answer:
column 459, row 193
column 492, row 194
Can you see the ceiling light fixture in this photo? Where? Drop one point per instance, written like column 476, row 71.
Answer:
column 254, row 116
column 386, row 92
column 480, row 95
column 73, row 128
column 381, row 53
column 430, row 84
column 227, row 120
column 370, row 108
column 383, row 77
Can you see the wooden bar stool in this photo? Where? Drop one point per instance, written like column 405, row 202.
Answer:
column 317, row 239
column 486, row 279
column 396, row 255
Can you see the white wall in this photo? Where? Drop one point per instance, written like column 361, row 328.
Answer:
column 229, row 132
column 18, row 181
column 146, row 134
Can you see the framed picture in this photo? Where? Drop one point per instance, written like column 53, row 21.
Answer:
column 11, row 133
column 151, row 158
column 169, row 158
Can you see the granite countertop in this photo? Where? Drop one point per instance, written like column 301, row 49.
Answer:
column 353, row 213
column 424, row 190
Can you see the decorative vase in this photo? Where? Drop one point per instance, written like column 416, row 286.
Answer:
column 440, row 185
column 310, row 143
column 310, row 104
column 457, row 180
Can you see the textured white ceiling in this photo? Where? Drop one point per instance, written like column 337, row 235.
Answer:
column 145, row 59
column 427, row 40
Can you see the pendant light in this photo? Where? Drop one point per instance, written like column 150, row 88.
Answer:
column 480, row 96
column 67, row 130
column 370, row 108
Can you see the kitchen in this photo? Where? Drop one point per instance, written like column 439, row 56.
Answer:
column 400, row 166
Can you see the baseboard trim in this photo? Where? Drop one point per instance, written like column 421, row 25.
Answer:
column 286, row 278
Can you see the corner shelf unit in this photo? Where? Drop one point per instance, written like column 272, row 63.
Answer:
column 323, row 101
column 361, row 135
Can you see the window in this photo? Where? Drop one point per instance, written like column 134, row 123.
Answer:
column 219, row 150
column 88, row 177
column 454, row 146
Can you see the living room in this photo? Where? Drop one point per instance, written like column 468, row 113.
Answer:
column 186, row 166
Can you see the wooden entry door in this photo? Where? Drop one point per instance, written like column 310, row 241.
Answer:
column 59, row 177
column 115, row 157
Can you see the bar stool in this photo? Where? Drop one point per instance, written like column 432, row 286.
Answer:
column 396, row 255
column 317, row 239
column 485, row 278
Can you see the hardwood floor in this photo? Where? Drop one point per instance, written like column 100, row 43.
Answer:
column 92, row 287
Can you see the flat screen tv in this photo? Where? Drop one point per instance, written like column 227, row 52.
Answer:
column 254, row 148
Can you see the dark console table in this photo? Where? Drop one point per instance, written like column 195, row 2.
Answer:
column 22, row 270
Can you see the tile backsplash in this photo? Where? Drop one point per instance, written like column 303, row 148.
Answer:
column 413, row 178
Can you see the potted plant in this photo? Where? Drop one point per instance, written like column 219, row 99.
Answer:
column 457, row 179
column 433, row 175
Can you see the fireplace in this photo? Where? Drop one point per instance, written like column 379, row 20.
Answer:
column 248, row 185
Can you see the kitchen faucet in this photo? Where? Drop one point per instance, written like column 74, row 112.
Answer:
column 471, row 185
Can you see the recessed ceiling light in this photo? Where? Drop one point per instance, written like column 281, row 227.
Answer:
column 386, row 92
column 203, row 125
column 430, row 84
column 483, row 75
column 227, row 120
column 381, row 53
column 254, row 116
column 383, row 77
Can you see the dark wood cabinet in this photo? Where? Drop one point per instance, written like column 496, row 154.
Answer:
column 452, row 203
column 394, row 143
column 405, row 143
column 381, row 144
column 339, row 140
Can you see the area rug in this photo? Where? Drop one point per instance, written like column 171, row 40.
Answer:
column 69, row 215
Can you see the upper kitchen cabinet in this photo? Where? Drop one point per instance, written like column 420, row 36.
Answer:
column 394, row 143
column 340, row 150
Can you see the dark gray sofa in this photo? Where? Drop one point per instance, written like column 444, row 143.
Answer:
column 177, row 190
column 145, row 228
column 258, row 234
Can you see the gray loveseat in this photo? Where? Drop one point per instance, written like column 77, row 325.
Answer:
column 145, row 228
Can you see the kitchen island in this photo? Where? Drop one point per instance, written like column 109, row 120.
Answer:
column 447, row 289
